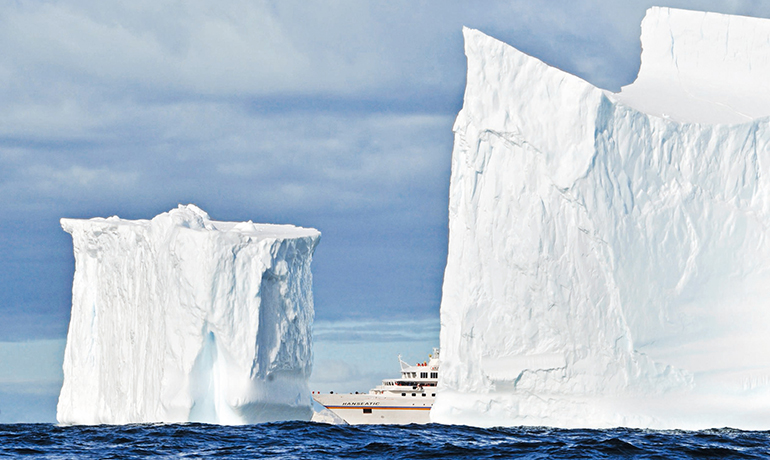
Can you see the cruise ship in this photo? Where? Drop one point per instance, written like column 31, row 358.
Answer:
column 396, row 401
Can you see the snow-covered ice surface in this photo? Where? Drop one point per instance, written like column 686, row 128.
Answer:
column 181, row 318
column 609, row 254
column 702, row 67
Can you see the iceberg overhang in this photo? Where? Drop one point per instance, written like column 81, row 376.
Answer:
column 609, row 254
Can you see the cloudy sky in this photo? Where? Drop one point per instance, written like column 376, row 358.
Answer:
column 335, row 115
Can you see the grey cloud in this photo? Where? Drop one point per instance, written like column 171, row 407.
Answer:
column 333, row 371
column 262, row 48
column 383, row 331
column 319, row 159
column 196, row 47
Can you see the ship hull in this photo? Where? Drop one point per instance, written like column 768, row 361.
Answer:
column 358, row 409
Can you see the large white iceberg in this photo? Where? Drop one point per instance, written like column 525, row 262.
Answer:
column 609, row 254
column 181, row 318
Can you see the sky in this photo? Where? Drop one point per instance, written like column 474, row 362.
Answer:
column 335, row 115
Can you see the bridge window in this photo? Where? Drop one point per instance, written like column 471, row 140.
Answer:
column 434, row 375
column 423, row 375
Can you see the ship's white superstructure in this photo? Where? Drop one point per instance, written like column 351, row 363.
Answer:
column 396, row 401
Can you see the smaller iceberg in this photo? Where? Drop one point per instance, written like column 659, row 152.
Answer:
column 185, row 319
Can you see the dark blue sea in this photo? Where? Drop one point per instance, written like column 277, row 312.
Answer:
column 307, row 440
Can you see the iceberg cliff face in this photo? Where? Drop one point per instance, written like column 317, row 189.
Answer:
column 181, row 318
column 608, row 266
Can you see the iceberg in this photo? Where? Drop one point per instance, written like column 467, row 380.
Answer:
column 185, row 319
column 609, row 254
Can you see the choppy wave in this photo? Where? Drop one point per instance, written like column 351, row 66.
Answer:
column 307, row 440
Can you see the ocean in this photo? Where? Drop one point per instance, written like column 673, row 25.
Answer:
column 308, row 440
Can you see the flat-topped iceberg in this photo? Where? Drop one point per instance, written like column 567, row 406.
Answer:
column 181, row 318
column 609, row 254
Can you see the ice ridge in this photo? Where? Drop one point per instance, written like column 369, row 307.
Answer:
column 609, row 266
column 185, row 319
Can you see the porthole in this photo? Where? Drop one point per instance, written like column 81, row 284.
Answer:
column 414, row 394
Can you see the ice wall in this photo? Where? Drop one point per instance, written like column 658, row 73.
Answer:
column 608, row 266
column 181, row 318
